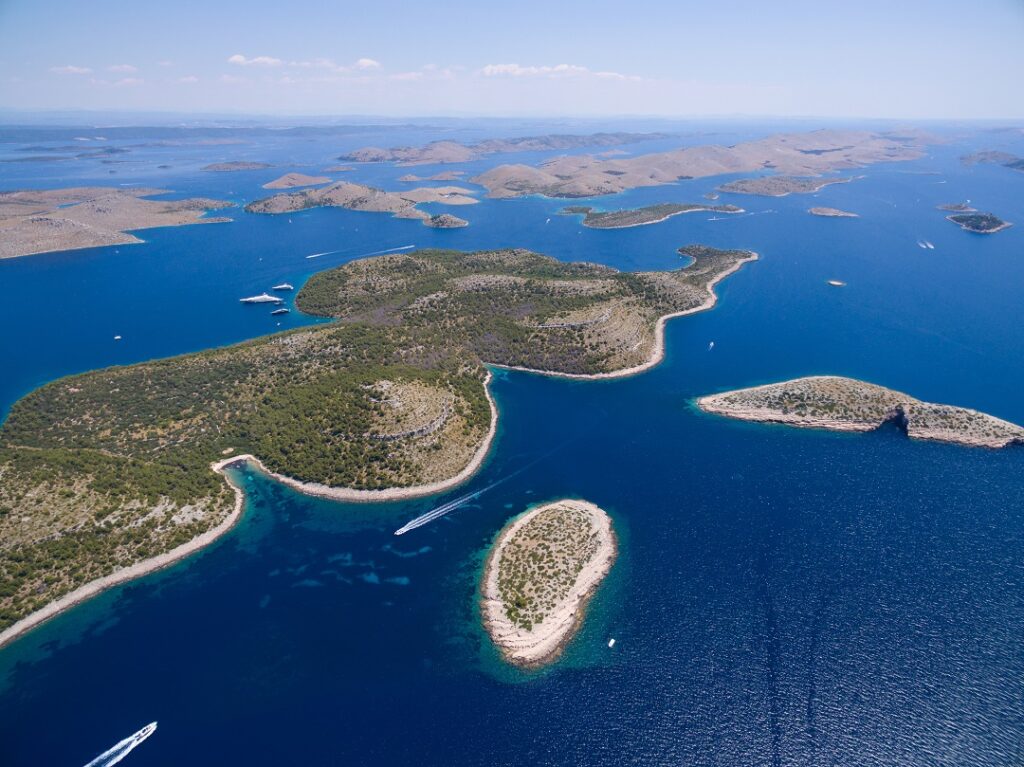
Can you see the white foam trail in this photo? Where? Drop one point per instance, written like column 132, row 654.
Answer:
column 364, row 255
column 119, row 751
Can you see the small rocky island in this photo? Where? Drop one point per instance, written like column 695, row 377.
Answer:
column 846, row 404
column 293, row 180
column 957, row 207
column 979, row 223
column 832, row 213
column 651, row 214
column 779, row 186
column 541, row 573
column 235, row 165
column 446, row 221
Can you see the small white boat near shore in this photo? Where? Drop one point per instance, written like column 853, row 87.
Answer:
column 284, row 286
column 262, row 298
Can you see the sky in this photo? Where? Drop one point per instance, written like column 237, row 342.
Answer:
column 900, row 59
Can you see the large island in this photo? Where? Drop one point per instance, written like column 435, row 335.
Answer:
column 542, row 570
column 846, row 404
column 651, row 214
column 106, row 474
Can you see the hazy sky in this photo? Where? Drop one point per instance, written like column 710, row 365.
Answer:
column 862, row 58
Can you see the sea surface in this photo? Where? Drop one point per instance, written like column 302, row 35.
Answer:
column 782, row 597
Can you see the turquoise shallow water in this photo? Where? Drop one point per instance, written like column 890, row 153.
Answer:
column 783, row 596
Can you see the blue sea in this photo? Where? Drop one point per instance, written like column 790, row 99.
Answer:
column 782, row 597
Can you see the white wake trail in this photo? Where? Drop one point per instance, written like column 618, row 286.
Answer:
column 120, row 750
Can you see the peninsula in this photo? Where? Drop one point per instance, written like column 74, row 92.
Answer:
column 235, row 165
column 359, row 197
column 43, row 221
column 111, row 470
column 790, row 154
column 846, row 404
column 542, row 570
column 780, row 186
column 293, row 180
column 1007, row 160
column 439, row 152
column 832, row 213
column 979, row 223
column 652, row 214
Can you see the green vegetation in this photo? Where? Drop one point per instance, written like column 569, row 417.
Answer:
column 104, row 469
column 981, row 223
column 541, row 562
column 620, row 219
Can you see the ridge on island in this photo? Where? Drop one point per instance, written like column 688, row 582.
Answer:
column 110, row 470
column 235, row 165
column 542, row 570
column 358, row 197
column 779, row 186
column 651, row 214
column 42, row 221
column 846, row 404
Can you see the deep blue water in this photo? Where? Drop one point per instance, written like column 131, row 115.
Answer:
column 782, row 596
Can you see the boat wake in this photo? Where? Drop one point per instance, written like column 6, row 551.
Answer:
column 364, row 255
column 120, row 750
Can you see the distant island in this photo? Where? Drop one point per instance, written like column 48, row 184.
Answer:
column 1007, row 160
column 846, row 404
column 389, row 402
column 979, row 223
column 780, row 186
column 448, row 175
column 447, row 221
column 439, row 152
column 235, row 165
column 292, row 180
column 791, row 154
column 42, row 221
column 832, row 213
column 359, row 197
column 540, row 574
column 339, row 169
column 957, row 207
column 652, row 214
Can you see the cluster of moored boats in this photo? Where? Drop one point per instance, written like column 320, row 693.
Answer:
column 269, row 298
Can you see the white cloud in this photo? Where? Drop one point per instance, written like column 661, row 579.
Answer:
column 258, row 61
column 188, row 79
column 231, row 79
column 407, row 76
column 128, row 81
column 122, row 68
column 71, row 69
column 367, row 64
column 558, row 70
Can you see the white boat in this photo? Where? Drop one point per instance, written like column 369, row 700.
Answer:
column 283, row 286
column 611, row 642
column 119, row 751
column 711, row 346
column 117, row 338
column 262, row 298
column 282, row 310
column 837, row 283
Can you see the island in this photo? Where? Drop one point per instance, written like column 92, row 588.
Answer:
column 979, row 223
column 108, row 473
column 957, row 207
column 1007, row 160
column 359, row 197
column 779, row 186
column 442, row 152
column 540, row 574
column 293, row 180
column 339, row 169
column 652, row 214
column 235, row 165
column 846, row 404
column 789, row 154
column 43, row 221
column 832, row 213
column 446, row 221
column 448, row 175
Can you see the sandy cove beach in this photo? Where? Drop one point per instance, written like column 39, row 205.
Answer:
column 658, row 351
column 93, row 588
column 546, row 641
